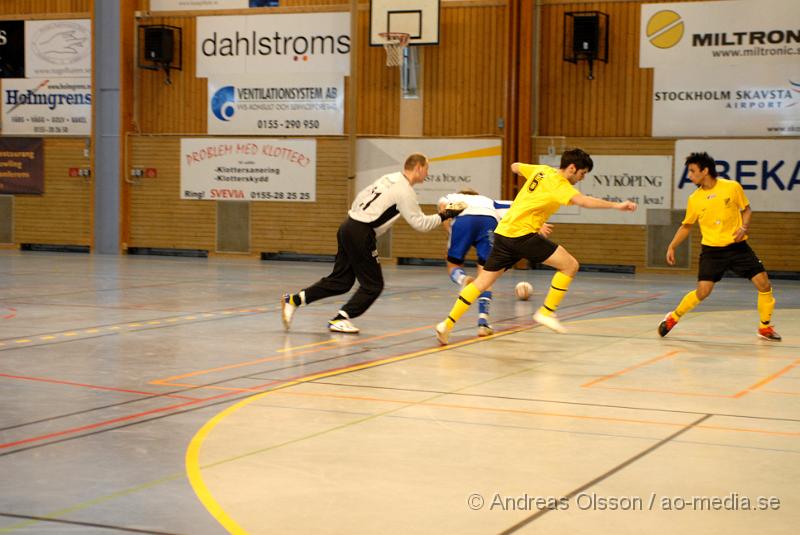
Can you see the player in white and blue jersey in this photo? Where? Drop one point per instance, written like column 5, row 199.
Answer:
column 474, row 227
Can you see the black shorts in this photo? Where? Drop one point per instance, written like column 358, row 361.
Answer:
column 508, row 251
column 737, row 257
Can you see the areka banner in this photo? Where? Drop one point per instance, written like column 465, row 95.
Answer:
column 768, row 170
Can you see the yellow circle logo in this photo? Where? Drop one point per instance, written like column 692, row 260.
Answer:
column 665, row 29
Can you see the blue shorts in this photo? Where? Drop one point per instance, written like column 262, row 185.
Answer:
column 471, row 231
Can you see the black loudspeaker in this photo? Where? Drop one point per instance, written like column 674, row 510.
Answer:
column 158, row 44
column 585, row 35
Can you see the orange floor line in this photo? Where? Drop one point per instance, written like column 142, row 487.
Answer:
column 93, row 387
column 767, row 379
column 168, row 381
column 538, row 413
column 672, row 392
column 631, row 368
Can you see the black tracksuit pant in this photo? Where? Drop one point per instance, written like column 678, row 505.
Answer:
column 356, row 259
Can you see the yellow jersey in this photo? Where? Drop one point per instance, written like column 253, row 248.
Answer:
column 718, row 210
column 544, row 192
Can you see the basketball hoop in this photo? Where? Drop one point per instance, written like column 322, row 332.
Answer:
column 394, row 43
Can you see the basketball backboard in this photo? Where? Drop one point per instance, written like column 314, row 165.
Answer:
column 418, row 18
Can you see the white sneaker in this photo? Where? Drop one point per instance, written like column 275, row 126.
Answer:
column 287, row 310
column 551, row 322
column 342, row 326
column 484, row 329
column 442, row 333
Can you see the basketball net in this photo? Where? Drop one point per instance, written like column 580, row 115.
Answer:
column 394, row 43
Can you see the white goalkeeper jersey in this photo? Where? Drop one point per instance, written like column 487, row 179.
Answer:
column 386, row 199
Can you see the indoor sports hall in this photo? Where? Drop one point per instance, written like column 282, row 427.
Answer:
column 172, row 170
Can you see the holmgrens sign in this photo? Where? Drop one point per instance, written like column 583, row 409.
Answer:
column 264, row 44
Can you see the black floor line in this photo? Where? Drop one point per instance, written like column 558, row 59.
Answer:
column 86, row 524
column 556, row 401
column 524, row 522
column 218, row 382
column 203, row 406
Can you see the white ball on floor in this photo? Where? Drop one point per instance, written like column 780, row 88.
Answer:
column 523, row 290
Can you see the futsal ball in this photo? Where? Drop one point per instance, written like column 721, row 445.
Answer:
column 523, row 290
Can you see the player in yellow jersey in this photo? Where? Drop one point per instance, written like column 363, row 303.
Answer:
column 723, row 212
column 522, row 234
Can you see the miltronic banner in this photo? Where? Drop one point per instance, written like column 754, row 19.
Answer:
column 761, row 100
column 277, row 43
column 767, row 169
column 455, row 164
column 737, row 32
column 285, row 104
column 248, row 169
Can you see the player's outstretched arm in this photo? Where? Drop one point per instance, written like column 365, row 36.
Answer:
column 584, row 201
column 681, row 234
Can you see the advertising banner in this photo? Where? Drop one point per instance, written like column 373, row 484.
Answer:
column 275, row 43
column 21, row 165
column 58, row 48
column 769, row 170
column 200, row 5
column 195, row 5
column 455, row 164
column 757, row 101
column 645, row 180
column 59, row 107
column 286, row 104
column 12, row 49
column 248, row 169
column 706, row 34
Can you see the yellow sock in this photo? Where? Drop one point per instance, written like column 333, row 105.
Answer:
column 688, row 302
column 467, row 296
column 766, row 304
column 558, row 289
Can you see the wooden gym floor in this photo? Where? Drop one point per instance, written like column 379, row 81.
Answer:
column 161, row 395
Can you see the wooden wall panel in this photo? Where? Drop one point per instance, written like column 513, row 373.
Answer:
column 617, row 101
column 463, row 73
column 409, row 243
column 63, row 215
column 464, row 78
column 41, row 8
column 306, row 227
column 159, row 218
